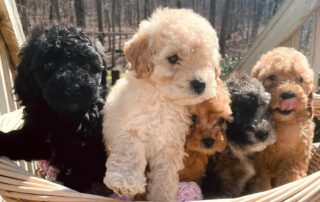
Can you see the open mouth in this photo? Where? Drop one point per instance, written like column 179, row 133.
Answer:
column 283, row 112
column 288, row 105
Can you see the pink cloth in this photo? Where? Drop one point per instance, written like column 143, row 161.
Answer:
column 50, row 171
column 188, row 191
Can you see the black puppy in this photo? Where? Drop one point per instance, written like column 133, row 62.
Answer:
column 61, row 82
column 251, row 131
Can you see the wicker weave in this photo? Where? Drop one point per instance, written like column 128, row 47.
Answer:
column 19, row 185
column 314, row 164
column 16, row 184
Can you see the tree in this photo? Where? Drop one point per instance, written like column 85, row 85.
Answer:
column 115, row 75
column 24, row 16
column 128, row 13
column 119, row 20
column 100, row 20
column 138, row 12
column 178, row 4
column 108, row 25
column 276, row 6
column 54, row 10
column 257, row 16
column 80, row 13
column 146, row 8
column 212, row 12
column 224, row 26
column 163, row 3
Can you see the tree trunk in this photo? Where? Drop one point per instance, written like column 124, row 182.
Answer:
column 113, row 21
column 108, row 24
column 24, row 16
column 54, row 10
column 276, row 6
column 80, row 13
column 212, row 13
column 138, row 12
column 115, row 75
column 163, row 3
column 128, row 13
column 146, row 9
column 100, row 20
column 178, row 4
column 193, row 4
column 224, row 26
column 257, row 17
column 119, row 21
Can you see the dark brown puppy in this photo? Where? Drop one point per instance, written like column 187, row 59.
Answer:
column 250, row 131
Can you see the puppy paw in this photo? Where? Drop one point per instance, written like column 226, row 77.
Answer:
column 122, row 185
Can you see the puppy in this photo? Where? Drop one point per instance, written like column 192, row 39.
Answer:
column 207, row 134
column 174, row 62
column 250, row 132
column 285, row 73
column 61, row 82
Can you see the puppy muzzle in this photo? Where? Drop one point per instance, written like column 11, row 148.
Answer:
column 288, row 98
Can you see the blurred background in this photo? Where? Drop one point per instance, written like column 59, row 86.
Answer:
column 238, row 22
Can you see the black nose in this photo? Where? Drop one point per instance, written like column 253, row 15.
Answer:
column 262, row 135
column 287, row 95
column 198, row 86
column 207, row 142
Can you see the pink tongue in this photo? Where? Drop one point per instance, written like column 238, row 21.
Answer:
column 289, row 104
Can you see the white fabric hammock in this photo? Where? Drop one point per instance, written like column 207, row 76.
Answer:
column 18, row 185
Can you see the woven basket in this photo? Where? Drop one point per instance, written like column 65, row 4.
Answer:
column 18, row 185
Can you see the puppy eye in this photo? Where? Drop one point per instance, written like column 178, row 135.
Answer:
column 221, row 121
column 173, row 59
column 272, row 77
column 300, row 79
column 194, row 118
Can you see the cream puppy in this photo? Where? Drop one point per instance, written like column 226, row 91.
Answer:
column 174, row 62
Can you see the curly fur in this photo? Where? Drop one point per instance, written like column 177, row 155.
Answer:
column 61, row 82
column 282, row 71
column 209, row 123
column 146, row 115
column 251, row 131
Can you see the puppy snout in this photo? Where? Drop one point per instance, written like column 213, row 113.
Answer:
column 262, row 135
column 198, row 86
column 207, row 142
column 287, row 95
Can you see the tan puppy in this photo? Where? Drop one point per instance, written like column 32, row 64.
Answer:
column 285, row 73
column 174, row 58
column 207, row 134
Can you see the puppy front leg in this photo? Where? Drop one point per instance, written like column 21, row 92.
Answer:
column 23, row 144
column 126, row 166
column 260, row 182
column 288, row 176
column 163, row 178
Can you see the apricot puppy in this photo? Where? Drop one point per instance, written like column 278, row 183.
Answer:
column 207, row 134
column 286, row 74
column 174, row 62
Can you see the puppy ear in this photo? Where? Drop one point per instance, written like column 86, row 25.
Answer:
column 255, row 72
column 25, row 87
column 138, row 53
